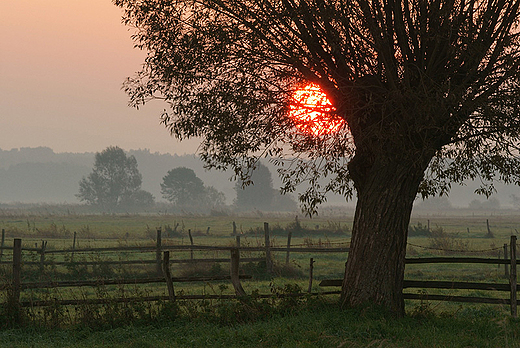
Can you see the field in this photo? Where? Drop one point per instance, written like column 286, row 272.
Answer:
column 465, row 234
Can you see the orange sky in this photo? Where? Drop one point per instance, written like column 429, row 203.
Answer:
column 62, row 63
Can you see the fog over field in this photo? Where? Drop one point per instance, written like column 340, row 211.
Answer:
column 40, row 175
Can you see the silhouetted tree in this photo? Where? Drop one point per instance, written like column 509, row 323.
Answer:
column 428, row 90
column 115, row 182
column 259, row 194
column 182, row 187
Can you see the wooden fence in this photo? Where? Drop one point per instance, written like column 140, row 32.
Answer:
column 434, row 284
column 162, row 261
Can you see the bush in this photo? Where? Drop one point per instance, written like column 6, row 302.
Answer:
column 446, row 243
column 419, row 231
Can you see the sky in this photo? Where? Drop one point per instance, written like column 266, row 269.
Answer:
column 62, row 65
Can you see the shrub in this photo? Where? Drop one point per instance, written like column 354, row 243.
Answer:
column 419, row 231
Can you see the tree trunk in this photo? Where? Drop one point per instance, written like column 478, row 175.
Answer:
column 375, row 266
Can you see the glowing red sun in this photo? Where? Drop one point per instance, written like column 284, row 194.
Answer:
column 312, row 111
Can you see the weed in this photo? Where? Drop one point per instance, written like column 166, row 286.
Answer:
column 419, row 230
column 446, row 243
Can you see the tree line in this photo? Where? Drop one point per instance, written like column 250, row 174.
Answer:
column 115, row 185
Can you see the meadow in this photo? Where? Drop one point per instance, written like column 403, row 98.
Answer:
column 309, row 321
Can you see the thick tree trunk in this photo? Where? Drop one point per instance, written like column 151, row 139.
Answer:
column 375, row 265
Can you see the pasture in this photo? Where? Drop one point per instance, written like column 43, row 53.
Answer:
column 465, row 234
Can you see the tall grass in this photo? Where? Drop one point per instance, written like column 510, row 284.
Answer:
column 310, row 323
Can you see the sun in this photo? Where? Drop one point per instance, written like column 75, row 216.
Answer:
column 312, row 112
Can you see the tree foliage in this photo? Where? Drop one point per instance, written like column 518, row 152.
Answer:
column 182, row 187
column 438, row 77
column 115, row 182
column 429, row 91
column 259, row 194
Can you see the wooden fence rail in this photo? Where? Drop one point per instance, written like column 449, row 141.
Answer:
column 162, row 261
column 435, row 284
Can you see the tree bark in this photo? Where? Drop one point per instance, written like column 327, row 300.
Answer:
column 375, row 266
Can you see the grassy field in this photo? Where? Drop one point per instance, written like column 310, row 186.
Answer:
column 428, row 324
column 311, row 325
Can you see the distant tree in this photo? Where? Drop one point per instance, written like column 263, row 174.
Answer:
column 138, row 199
column 258, row 193
column 214, row 197
column 435, row 203
column 115, row 181
column 489, row 204
column 182, row 187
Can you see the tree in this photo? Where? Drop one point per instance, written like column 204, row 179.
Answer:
column 213, row 197
column 115, row 182
column 428, row 91
column 259, row 194
column 182, row 187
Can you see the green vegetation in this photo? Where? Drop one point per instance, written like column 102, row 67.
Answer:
column 312, row 323
column 293, row 322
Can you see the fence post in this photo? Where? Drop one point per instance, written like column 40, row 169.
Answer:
column 191, row 242
column 268, row 260
column 238, row 241
column 168, row 276
column 512, row 279
column 235, row 279
column 311, row 268
column 506, row 267
column 42, row 257
column 2, row 244
column 158, row 252
column 17, row 270
column 73, row 247
column 289, row 236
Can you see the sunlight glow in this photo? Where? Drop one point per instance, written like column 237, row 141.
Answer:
column 313, row 113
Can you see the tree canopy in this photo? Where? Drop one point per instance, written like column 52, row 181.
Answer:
column 260, row 194
column 115, row 182
column 428, row 91
column 182, row 187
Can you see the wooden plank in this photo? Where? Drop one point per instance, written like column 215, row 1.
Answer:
column 168, row 276
column 189, row 247
column 435, row 284
column 506, row 267
column 191, row 243
column 158, row 252
column 80, row 283
column 42, row 257
column 234, row 268
column 134, row 262
column 17, row 270
column 289, row 236
column 311, row 269
column 438, row 284
column 2, row 244
column 268, row 259
column 73, row 247
column 420, row 260
column 455, row 298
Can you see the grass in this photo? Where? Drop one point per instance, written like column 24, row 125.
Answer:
column 440, row 324
column 317, row 324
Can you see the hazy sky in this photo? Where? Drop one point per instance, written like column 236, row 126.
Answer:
column 62, row 64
